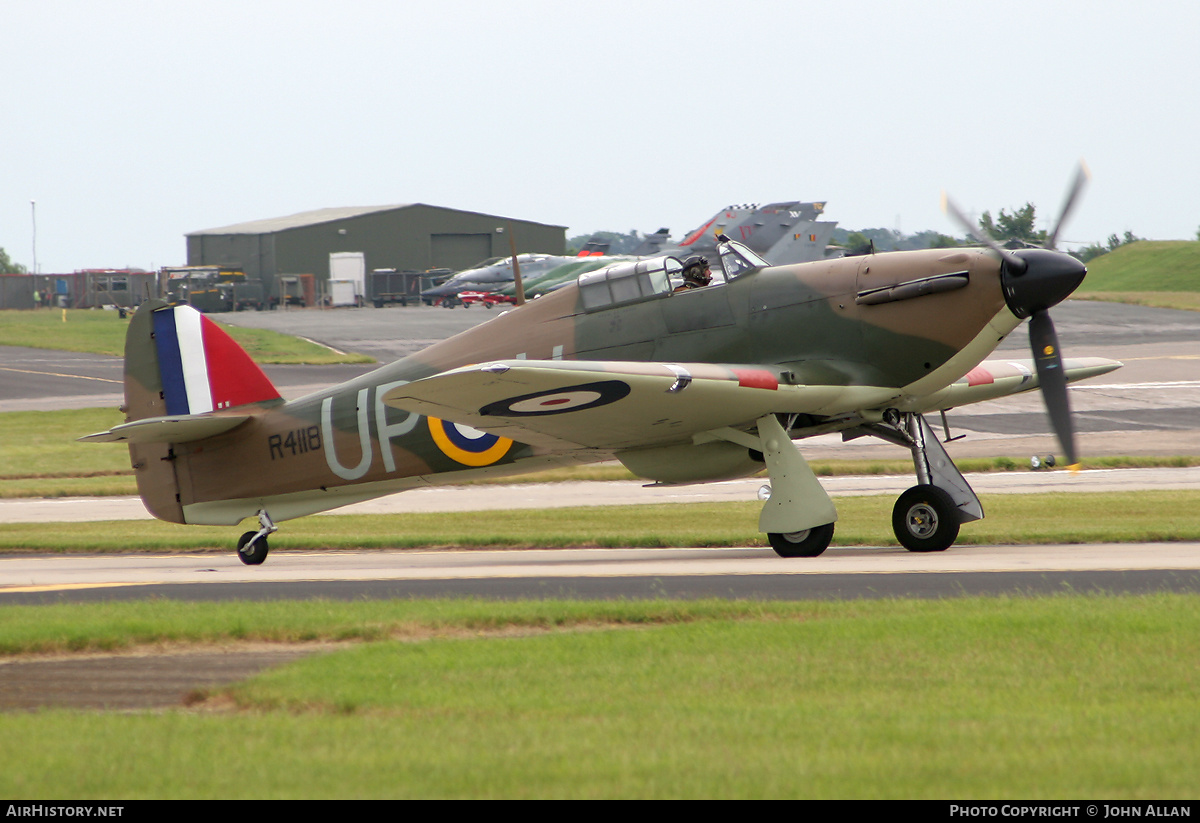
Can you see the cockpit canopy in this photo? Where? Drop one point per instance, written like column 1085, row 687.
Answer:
column 628, row 282
column 737, row 259
column 643, row 279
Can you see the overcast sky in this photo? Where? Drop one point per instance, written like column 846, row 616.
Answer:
column 132, row 123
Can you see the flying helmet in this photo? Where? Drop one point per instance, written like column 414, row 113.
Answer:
column 695, row 270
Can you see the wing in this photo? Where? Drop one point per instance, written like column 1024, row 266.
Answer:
column 616, row 405
column 1000, row 378
column 620, row 405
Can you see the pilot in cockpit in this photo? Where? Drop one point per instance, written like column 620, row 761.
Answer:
column 696, row 274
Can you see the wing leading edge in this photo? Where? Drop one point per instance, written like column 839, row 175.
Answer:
column 999, row 378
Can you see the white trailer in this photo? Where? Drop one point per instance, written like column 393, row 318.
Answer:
column 347, row 278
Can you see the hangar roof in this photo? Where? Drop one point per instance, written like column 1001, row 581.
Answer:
column 318, row 216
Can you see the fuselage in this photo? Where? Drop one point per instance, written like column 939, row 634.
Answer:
column 904, row 323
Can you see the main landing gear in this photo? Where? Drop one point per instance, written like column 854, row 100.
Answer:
column 926, row 518
column 252, row 547
column 799, row 516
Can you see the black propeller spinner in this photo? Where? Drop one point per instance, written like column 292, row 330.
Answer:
column 1034, row 280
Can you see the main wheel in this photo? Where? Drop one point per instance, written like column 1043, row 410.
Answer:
column 925, row 519
column 808, row 543
column 252, row 553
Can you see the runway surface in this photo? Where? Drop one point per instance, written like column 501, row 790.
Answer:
column 605, row 573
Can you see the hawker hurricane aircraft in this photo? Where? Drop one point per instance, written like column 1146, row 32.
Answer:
column 682, row 385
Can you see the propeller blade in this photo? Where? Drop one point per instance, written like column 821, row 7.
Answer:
column 1082, row 176
column 1014, row 264
column 1053, row 380
column 982, row 237
column 518, row 283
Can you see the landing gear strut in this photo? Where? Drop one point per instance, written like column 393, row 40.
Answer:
column 252, row 547
column 798, row 516
column 926, row 518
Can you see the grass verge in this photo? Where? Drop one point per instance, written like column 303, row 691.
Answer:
column 1188, row 301
column 97, row 331
column 972, row 698
column 1012, row 519
column 1159, row 273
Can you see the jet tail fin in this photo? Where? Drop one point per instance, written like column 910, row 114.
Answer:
column 595, row 247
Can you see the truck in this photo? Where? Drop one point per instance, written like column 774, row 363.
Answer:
column 212, row 288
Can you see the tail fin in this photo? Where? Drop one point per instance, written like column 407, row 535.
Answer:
column 201, row 368
column 179, row 368
column 594, row 248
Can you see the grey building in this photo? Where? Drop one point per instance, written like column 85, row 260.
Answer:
column 413, row 236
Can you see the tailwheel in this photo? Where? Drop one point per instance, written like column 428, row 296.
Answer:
column 250, row 551
column 925, row 519
column 807, row 543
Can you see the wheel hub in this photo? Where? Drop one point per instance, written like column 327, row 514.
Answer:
column 922, row 521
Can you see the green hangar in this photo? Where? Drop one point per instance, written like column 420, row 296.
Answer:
column 412, row 237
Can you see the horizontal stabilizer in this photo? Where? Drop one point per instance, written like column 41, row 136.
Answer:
column 173, row 429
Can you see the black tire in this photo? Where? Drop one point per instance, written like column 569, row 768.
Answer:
column 925, row 519
column 808, row 543
column 252, row 554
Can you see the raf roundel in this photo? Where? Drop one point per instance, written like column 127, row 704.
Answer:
column 466, row 445
column 558, row 401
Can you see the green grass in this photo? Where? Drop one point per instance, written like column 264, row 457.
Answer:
column 96, row 331
column 1160, row 273
column 1012, row 519
column 41, row 445
column 1148, row 265
column 973, row 698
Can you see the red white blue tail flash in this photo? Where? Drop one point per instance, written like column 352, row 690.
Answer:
column 202, row 368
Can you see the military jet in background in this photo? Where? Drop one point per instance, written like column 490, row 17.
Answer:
column 786, row 232
column 556, row 278
column 495, row 272
column 780, row 233
column 680, row 386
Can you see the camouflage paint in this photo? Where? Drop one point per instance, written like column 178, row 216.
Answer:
column 800, row 325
